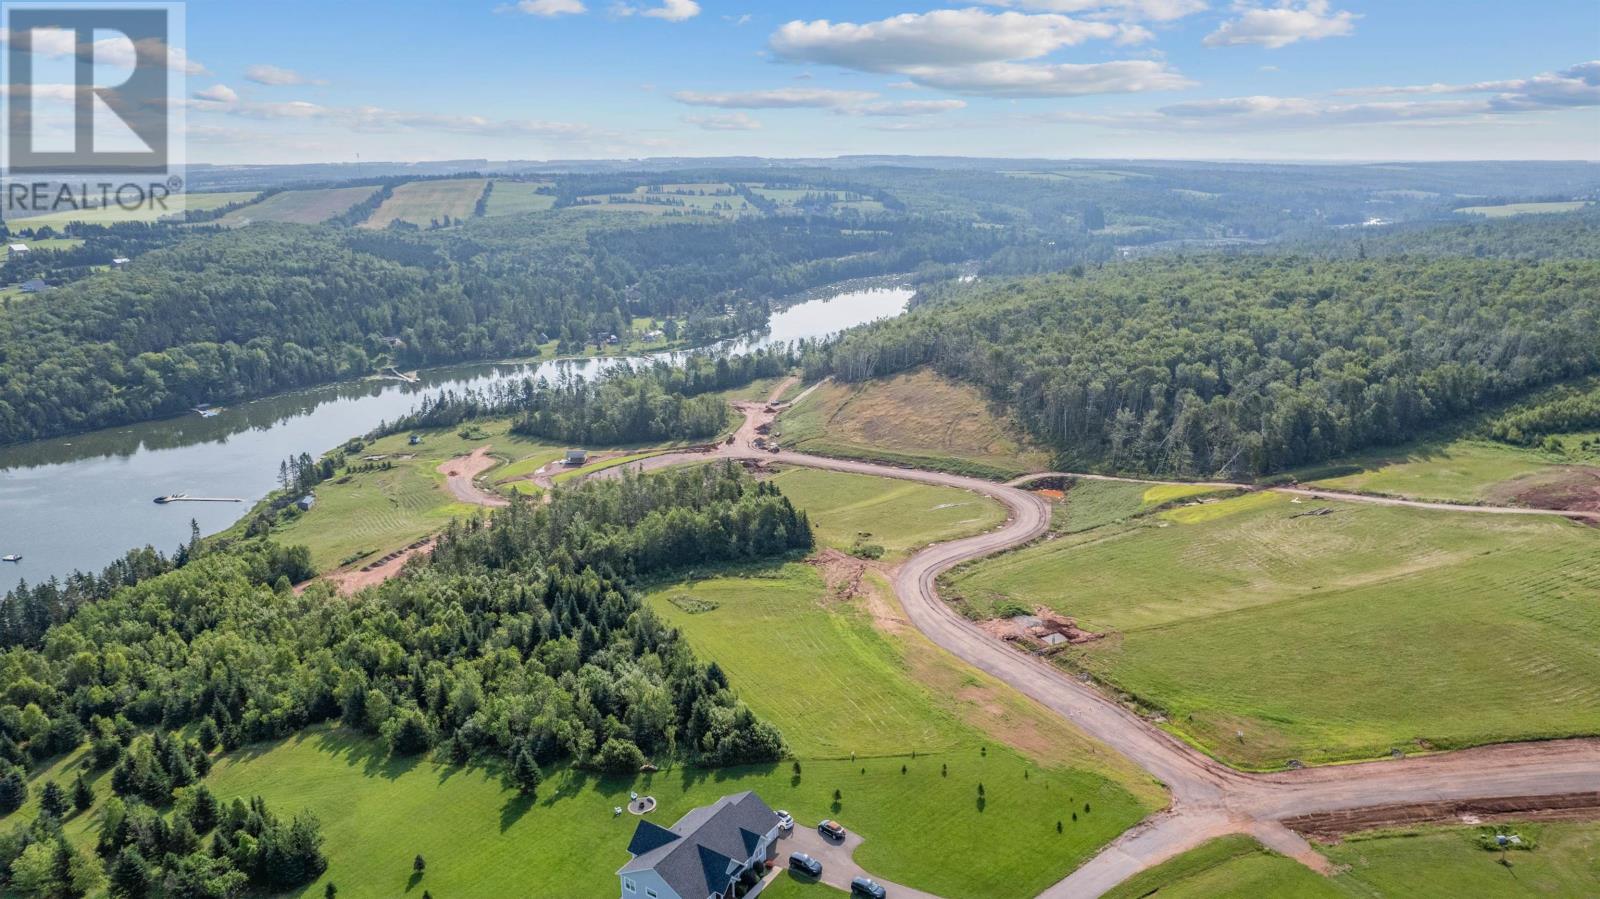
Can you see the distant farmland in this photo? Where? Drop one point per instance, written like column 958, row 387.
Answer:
column 423, row 202
column 113, row 214
column 301, row 207
column 518, row 197
column 1495, row 212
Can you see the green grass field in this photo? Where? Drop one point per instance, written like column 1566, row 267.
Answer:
column 518, row 197
column 918, row 418
column 301, row 207
column 900, row 516
column 384, row 510
column 1089, row 504
column 423, row 202
column 1521, row 208
column 1420, row 863
column 1327, row 638
column 198, row 202
column 1464, row 470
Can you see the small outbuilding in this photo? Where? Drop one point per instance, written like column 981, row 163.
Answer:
column 34, row 286
column 17, row 249
column 576, row 457
column 305, row 503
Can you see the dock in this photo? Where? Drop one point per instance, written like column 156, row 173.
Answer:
column 186, row 498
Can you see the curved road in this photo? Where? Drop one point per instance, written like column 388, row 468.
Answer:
column 1209, row 799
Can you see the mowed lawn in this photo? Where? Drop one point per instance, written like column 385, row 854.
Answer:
column 1419, row 863
column 424, row 202
column 1459, row 471
column 847, row 676
column 1267, row 637
column 385, row 509
column 301, row 207
column 900, row 516
column 518, row 197
column 918, row 418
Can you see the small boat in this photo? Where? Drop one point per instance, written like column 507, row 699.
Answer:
column 14, row 557
column 170, row 498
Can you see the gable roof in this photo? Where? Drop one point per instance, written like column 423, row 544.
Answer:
column 698, row 856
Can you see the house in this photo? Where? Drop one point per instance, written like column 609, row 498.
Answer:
column 16, row 249
column 414, row 439
column 708, row 854
column 577, row 457
column 656, row 334
column 306, row 502
column 119, row 262
column 34, row 286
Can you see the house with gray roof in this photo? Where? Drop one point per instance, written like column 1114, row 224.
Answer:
column 713, row 852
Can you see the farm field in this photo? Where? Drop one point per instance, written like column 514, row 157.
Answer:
column 1521, row 208
column 1464, row 470
column 53, row 243
column 198, row 202
column 517, row 197
column 845, row 675
column 424, row 202
column 900, row 516
column 300, row 207
column 1266, row 637
column 1422, row 863
column 386, row 509
column 675, row 199
column 916, row 418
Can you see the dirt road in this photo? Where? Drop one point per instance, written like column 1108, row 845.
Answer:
column 1209, row 799
column 460, row 472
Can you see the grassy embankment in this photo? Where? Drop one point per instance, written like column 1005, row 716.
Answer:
column 1460, row 470
column 900, row 516
column 1266, row 637
column 839, row 675
column 1419, row 863
column 918, row 419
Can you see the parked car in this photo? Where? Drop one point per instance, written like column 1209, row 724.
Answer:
column 833, row 830
column 785, row 820
column 805, row 864
column 868, row 888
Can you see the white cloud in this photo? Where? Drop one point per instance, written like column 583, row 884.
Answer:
column 739, row 20
column 1137, row 10
column 1005, row 79
column 907, row 108
column 276, row 76
column 117, row 52
column 1577, row 85
column 781, row 98
column 670, row 10
column 972, row 51
column 218, row 93
column 549, row 9
column 736, row 121
column 1281, row 25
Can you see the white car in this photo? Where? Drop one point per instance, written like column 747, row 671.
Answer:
column 785, row 820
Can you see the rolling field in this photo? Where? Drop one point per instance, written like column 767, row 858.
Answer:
column 518, row 197
column 1420, row 863
column 900, row 516
column 1521, row 208
column 422, row 202
column 198, row 202
column 843, row 675
column 383, row 510
column 300, row 207
column 918, row 418
column 685, row 199
column 1089, row 504
column 1459, row 471
column 1266, row 637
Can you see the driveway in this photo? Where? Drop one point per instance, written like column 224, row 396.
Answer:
column 838, row 861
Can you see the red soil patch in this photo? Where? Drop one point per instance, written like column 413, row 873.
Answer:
column 1568, row 489
column 1330, row 826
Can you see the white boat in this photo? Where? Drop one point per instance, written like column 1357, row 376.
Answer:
column 14, row 557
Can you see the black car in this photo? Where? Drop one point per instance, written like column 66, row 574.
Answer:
column 868, row 888
column 805, row 864
column 833, row 830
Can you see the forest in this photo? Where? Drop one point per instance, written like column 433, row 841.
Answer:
column 1240, row 366
column 519, row 642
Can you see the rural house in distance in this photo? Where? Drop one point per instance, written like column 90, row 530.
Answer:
column 705, row 855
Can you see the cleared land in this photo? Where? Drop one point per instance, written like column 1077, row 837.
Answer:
column 674, row 199
column 917, row 418
column 518, row 197
column 1469, row 471
column 901, row 516
column 1267, row 635
column 112, row 214
column 1521, row 208
column 1425, row 863
column 300, row 207
column 424, row 202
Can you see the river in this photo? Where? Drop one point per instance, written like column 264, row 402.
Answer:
column 80, row 502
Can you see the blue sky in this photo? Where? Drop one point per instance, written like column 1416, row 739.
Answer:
column 294, row 81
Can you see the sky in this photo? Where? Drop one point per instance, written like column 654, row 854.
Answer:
column 292, row 81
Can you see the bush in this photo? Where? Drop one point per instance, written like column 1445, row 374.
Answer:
column 618, row 756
